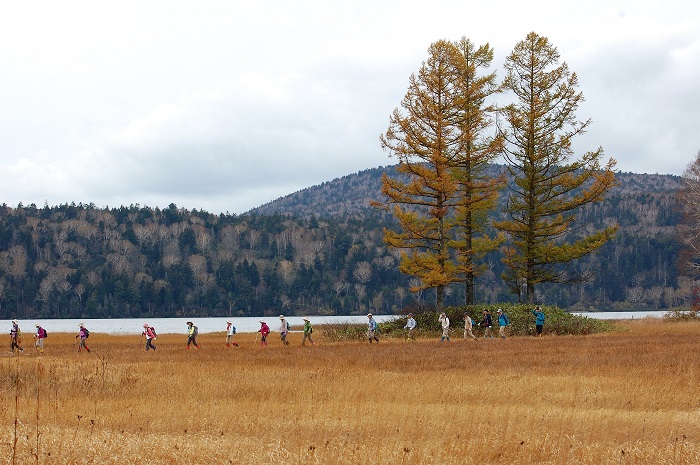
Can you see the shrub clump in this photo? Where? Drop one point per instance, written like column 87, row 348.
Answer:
column 679, row 315
column 522, row 321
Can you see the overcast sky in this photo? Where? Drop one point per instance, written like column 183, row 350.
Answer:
column 224, row 106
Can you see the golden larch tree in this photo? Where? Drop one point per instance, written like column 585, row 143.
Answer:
column 425, row 140
column 478, row 189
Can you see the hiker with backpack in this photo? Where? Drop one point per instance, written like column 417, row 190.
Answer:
column 192, row 332
column 445, row 324
column 411, row 327
column 39, row 337
column 15, row 337
column 468, row 326
column 307, row 332
column 230, row 331
column 372, row 329
column 284, row 329
column 83, row 335
column 264, row 331
column 503, row 321
column 487, row 323
column 150, row 333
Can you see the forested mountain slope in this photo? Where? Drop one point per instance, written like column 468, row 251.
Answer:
column 318, row 251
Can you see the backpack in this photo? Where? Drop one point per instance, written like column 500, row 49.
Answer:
column 506, row 319
column 155, row 335
column 195, row 332
column 44, row 333
column 289, row 328
column 233, row 329
column 87, row 333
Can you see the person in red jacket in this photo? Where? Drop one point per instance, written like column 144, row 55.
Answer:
column 264, row 331
column 150, row 333
column 83, row 334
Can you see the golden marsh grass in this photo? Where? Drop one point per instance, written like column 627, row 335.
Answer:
column 630, row 396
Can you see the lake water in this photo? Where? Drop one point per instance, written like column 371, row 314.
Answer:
column 243, row 325
column 179, row 325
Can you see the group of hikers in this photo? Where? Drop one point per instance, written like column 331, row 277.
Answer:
column 486, row 323
column 284, row 328
column 41, row 334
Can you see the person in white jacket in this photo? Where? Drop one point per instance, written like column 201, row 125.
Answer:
column 468, row 326
column 284, row 329
column 411, row 327
column 445, row 322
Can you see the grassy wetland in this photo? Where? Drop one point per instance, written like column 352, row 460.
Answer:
column 625, row 396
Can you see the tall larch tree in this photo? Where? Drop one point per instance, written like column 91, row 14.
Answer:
column 478, row 189
column 424, row 140
column 548, row 182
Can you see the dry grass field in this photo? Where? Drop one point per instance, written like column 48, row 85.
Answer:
column 629, row 396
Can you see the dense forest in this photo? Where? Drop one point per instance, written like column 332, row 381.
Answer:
column 318, row 251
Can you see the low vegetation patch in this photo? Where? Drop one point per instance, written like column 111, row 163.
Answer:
column 677, row 315
column 522, row 321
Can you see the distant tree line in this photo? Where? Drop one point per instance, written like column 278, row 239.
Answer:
column 83, row 261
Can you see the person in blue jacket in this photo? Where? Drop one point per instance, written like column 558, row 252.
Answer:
column 372, row 329
column 503, row 321
column 539, row 320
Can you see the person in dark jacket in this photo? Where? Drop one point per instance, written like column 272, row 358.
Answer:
column 487, row 323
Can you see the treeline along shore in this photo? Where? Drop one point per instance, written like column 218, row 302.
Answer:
column 81, row 261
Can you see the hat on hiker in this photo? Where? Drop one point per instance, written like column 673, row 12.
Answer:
column 369, row 314
column 228, row 322
column 500, row 311
column 145, row 325
column 37, row 325
column 15, row 321
column 305, row 319
column 262, row 321
column 81, row 325
column 189, row 323
column 281, row 317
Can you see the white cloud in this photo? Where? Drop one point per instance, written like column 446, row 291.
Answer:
column 227, row 105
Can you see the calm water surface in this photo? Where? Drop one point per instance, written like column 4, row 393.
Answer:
column 243, row 325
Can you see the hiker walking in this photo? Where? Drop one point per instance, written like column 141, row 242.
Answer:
column 192, row 332
column 468, row 326
column 230, row 331
column 15, row 337
column 307, row 332
column 539, row 320
column 487, row 323
column 445, row 323
column 284, row 329
column 372, row 329
column 264, row 331
column 83, row 335
column 150, row 333
column 411, row 327
column 503, row 321
column 39, row 337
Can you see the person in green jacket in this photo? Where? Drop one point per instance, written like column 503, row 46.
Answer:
column 192, row 333
column 307, row 332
